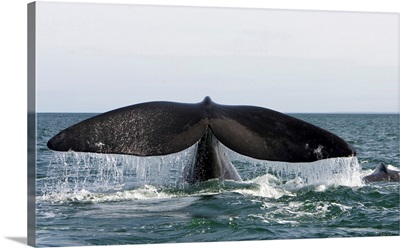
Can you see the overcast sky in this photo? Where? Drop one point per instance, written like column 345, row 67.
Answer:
column 98, row 57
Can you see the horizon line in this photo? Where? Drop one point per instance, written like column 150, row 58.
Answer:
column 354, row 112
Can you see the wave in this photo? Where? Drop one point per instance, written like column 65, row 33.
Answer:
column 85, row 196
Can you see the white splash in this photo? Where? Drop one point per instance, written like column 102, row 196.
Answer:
column 71, row 172
column 345, row 171
column 94, row 177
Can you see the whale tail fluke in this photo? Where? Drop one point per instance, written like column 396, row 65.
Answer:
column 160, row 128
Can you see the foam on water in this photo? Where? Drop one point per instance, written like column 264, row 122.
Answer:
column 85, row 196
column 293, row 213
column 264, row 186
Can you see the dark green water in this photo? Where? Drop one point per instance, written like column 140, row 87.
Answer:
column 92, row 199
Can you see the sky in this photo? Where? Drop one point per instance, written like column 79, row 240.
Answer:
column 98, row 57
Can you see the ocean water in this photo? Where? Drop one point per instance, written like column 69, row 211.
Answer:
column 105, row 199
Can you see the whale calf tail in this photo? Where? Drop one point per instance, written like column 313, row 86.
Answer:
column 382, row 173
column 160, row 128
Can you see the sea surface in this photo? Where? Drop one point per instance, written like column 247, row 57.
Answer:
column 105, row 199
